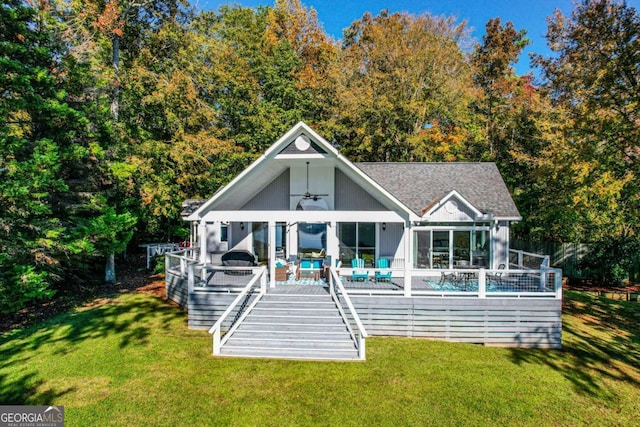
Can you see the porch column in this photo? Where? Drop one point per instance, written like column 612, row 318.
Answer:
column 202, row 238
column 408, row 258
column 272, row 253
column 292, row 239
column 333, row 243
column 193, row 230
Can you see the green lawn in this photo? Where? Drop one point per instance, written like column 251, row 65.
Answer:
column 131, row 361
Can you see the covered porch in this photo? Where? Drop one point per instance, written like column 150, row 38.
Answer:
column 282, row 240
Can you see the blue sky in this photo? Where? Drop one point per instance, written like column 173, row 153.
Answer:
column 531, row 15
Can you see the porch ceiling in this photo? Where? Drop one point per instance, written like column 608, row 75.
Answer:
column 304, row 216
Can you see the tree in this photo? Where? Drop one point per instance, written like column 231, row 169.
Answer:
column 111, row 36
column 316, row 74
column 48, row 159
column 402, row 75
column 494, row 75
column 594, row 76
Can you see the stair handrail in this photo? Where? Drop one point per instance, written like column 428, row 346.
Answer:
column 216, row 328
column 362, row 332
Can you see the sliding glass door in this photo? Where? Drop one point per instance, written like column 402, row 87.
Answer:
column 441, row 255
column 357, row 240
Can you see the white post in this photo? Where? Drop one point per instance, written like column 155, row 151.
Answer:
column 202, row 233
column 263, row 282
column 272, row 252
column 361, row 348
column 558, row 282
column 482, row 283
column 333, row 243
column 408, row 258
column 332, row 289
column 190, row 277
column 203, row 276
column 216, row 341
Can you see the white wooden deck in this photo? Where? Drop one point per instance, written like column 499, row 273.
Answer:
column 513, row 309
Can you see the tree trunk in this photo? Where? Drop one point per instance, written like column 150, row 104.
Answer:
column 110, row 270
column 110, row 267
column 115, row 100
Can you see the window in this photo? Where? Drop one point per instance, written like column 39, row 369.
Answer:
column 422, row 249
column 357, row 240
column 462, row 247
column 312, row 237
column 281, row 240
column 480, row 248
column 443, row 247
column 224, row 233
column 260, row 232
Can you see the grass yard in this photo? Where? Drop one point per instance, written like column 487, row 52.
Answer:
column 131, row 361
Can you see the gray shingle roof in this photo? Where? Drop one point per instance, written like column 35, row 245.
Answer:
column 418, row 185
column 189, row 206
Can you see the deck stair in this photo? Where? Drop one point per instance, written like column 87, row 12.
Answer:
column 292, row 326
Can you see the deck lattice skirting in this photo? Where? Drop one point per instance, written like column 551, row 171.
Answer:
column 504, row 322
column 203, row 307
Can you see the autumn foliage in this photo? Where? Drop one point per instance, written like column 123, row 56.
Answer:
column 119, row 110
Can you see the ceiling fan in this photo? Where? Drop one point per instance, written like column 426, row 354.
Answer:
column 307, row 194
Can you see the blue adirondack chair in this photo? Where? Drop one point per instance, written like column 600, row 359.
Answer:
column 384, row 273
column 359, row 273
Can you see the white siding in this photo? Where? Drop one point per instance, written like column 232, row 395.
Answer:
column 349, row 196
column 452, row 213
column 275, row 196
column 391, row 243
column 500, row 244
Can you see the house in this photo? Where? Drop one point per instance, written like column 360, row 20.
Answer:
column 442, row 230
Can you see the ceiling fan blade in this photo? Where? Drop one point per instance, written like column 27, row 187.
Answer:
column 308, row 195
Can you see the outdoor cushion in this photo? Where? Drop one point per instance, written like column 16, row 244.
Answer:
column 238, row 258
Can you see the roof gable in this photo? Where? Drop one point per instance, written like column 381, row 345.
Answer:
column 452, row 207
column 420, row 186
column 298, row 145
column 302, row 145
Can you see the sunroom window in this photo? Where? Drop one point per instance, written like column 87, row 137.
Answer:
column 442, row 247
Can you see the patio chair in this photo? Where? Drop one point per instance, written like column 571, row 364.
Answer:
column 450, row 277
column 497, row 276
column 359, row 273
column 384, row 273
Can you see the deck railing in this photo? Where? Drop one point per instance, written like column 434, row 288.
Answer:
column 238, row 310
column 461, row 282
column 176, row 262
column 335, row 288
column 520, row 282
column 485, row 283
column 527, row 260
